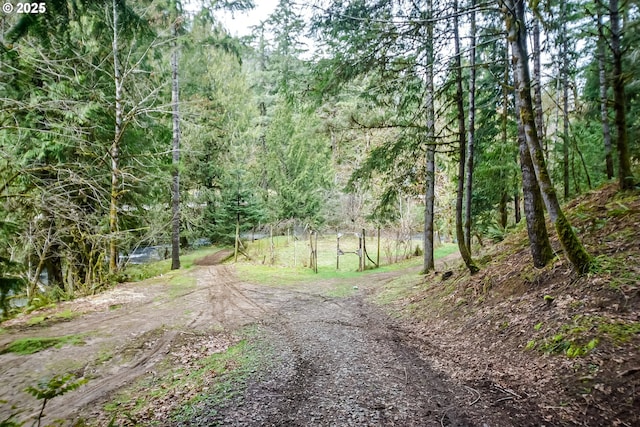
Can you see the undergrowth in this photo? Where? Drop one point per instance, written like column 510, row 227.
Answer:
column 191, row 389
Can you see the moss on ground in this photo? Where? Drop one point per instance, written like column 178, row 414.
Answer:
column 25, row 346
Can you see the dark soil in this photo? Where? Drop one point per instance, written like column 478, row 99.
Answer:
column 216, row 258
column 345, row 363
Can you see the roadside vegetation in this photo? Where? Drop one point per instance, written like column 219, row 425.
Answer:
column 570, row 337
column 201, row 371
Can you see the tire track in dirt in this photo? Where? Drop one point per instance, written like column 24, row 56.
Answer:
column 226, row 304
column 121, row 345
column 341, row 366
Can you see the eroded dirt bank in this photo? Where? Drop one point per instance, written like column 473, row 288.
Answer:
column 336, row 361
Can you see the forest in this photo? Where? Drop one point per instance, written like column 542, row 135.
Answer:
column 127, row 124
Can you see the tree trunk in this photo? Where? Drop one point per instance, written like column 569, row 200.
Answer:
column 537, row 78
column 175, row 181
column 516, row 207
column 115, row 149
column 604, row 104
column 428, row 260
column 460, row 236
column 502, row 210
column 539, row 243
column 472, row 128
column 53, row 266
column 515, row 19
column 625, row 176
column 505, row 117
column 564, row 77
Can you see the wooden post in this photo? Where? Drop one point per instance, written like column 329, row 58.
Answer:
column 271, row 248
column 315, row 253
column 294, row 248
column 378, row 255
column 364, row 250
column 338, row 252
column 359, row 253
column 235, row 251
column 311, row 249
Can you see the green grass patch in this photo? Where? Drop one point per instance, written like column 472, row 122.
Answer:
column 26, row 346
column 409, row 285
column 230, row 367
column 287, row 252
column 67, row 314
column 104, row 356
column 139, row 272
column 444, row 250
column 398, row 288
column 287, row 272
column 619, row 332
column 203, row 384
column 181, row 285
column 36, row 320
column 44, row 319
column 342, row 290
column 232, row 370
column 616, row 267
column 584, row 334
column 283, row 276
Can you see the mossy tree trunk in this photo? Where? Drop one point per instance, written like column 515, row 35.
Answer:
column 541, row 250
column 516, row 30
column 465, row 251
column 564, row 81
column 625, row 176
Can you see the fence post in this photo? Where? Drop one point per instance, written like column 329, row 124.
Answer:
column 338, row 251
column 360, row 252
column 315, row 252
column 235, row 250
column 364, row 250
column 378, row 256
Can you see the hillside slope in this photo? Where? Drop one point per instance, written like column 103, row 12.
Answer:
column 544, row 340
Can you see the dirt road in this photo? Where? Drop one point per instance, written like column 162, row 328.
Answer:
column 340, row 361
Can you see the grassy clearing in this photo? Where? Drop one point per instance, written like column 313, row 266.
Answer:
column 292, row 260
column 139, row 272
column 406, row 285
column 24, row 346
column 288, row 252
